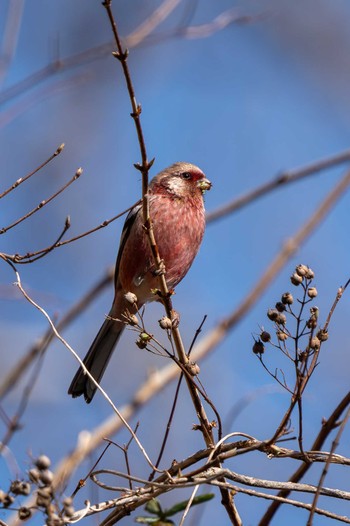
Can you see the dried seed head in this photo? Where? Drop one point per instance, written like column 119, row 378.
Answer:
column 280, row 306
column 7, row 500
column 42, row 462
column 310, row 273
column 315, row 343
column 281, row 319
column 54, row 520
column 46, row 477
column 193, row 368
column 43, row 497
column 281, row 336
column 312, row 292
column 311, row 323
column 258, row 347
column 265, row 336
column 24, row 513
column 132, row 319
column 322, row 335
column 19, row 487
column 69, row 511
column 130, row 298
column 165, row 323
column 302, row 270
column 34, row 475
column 272, row 314
column 296, row 279
column 287, row 298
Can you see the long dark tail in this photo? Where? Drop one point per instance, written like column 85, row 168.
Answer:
column 96, row 360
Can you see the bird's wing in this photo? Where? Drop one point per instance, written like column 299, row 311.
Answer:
column 129, row 221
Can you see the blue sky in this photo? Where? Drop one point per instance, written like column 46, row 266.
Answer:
column 243, row 104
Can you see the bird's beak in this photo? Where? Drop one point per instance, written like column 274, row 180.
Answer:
column 204, row 184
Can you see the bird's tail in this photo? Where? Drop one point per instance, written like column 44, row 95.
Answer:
column 96, row 359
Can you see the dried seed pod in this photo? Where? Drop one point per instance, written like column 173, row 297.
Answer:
column 265, row 336
column 322, row 335
column 165, row 323
column 34, row 475
column 67, row 501
column 132, row 319
column 193, row 368
column 280, row 306
column 20, row 487
column 312, row 321
column 310, row 273
column 302, row 270
column 315, row 343
column 24, row 513
column 281, row 336
column 312, row 292
column 46, row 477
column 43, row 497
column 296, row 279
column 130, row 298
column 272, row 314
column 69, row 511
column 287, row 298
column 42, row 462
column 7, row 500
column 258, row 347
column 281, row 319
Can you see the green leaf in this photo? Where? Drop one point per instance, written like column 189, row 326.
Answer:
column 153, row 506
column 181, row 506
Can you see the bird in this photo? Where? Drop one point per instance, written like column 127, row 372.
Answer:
column 176, row 209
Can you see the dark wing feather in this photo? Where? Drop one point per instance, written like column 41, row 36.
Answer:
column 129, row 221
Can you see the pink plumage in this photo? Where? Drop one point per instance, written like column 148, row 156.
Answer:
column 178, row 218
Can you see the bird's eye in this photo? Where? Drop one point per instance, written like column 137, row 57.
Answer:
column 186, row 175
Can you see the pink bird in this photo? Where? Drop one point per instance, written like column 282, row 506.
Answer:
column 178, row 218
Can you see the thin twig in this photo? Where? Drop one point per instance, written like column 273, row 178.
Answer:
column 33, row 256
column 335, row 444
column 23, row 179
column 327, row 427
column 66, row 344
column 44, row 202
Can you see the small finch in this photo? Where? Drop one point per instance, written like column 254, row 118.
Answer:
column 177, row 214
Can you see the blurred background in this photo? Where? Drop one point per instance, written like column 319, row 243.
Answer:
column 242, row 89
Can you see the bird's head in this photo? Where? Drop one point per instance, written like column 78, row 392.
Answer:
column 181, row 180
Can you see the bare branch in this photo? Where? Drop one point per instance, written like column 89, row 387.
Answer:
column 290, row 176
